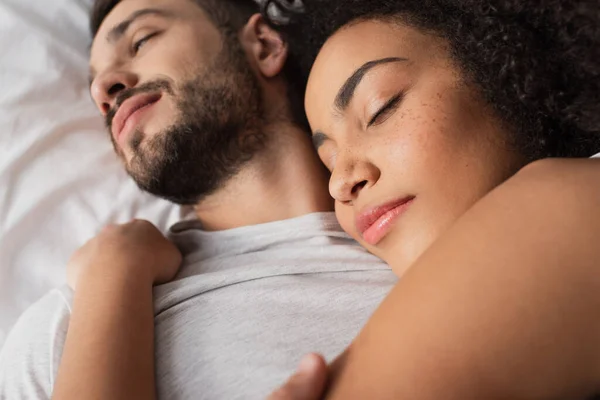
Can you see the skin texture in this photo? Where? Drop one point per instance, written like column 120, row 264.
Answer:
column 308, row 383
column 109, row 351
column 440, row 144
column 440, row 327
column 215, row 127
column 188, row 42
column 489, row 310
column 109, row 348
column 173, row 57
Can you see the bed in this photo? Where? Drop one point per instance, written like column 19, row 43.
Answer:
column 59, row 179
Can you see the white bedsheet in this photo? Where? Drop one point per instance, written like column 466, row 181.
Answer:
column 59, row 179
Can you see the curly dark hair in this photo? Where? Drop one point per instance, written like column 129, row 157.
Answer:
column 536, row 62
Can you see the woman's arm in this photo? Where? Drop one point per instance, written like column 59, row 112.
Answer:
column 109, row 351
column 504, row 305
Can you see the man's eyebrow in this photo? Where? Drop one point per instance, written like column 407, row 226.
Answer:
column 346, row 92
column 118, row 31
column 318, row 139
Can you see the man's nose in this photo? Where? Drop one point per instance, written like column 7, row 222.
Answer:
column 106, row 87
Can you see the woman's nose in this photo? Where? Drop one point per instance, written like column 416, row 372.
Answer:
column 350, row 176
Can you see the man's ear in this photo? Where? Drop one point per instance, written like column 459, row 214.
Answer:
column 265, row 46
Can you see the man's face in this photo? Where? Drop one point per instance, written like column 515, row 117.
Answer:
column 180, row 101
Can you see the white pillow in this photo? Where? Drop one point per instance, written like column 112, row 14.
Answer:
column 59, row 179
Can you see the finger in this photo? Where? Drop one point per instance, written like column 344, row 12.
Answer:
column 307, row 384
column 108, row 228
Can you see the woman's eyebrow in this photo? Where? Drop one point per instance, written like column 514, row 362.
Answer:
column 346, row 92
column 318, row 138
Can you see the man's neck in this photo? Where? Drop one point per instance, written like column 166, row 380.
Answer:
column 285, row 180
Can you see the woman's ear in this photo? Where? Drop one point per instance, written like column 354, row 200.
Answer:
column 264, row 46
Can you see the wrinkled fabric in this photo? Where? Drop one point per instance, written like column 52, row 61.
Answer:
column 246, row 306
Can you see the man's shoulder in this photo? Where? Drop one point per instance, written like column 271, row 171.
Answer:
column 32, row 351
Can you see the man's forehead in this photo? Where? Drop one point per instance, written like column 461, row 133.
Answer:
column 120, row 17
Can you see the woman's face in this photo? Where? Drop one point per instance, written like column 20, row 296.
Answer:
column 410, row 146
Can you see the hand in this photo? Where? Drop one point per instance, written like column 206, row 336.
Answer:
column 135, row 249
column 307, row 384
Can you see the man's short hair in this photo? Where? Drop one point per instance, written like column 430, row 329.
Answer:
column 228, row 15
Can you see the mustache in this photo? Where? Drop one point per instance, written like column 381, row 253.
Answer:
column 124, row 95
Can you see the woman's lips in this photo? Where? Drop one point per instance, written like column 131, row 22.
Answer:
column 375, row 223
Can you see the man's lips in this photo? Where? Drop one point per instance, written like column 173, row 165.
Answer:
column 128, row 108
column 374, row 223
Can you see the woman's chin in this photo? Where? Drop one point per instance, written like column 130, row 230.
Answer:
column 401, row 255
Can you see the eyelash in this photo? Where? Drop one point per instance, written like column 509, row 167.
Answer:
column 137, row 45
column 387, row 108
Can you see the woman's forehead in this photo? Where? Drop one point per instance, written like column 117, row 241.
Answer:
column 358, row 44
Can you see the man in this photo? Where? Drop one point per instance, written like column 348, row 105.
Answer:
column 199, row 109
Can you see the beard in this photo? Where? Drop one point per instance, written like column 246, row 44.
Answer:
column 218, row 129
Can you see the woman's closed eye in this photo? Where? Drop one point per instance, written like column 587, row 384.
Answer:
column 386, row 110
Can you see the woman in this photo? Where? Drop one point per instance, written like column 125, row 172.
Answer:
column 438, row 102
column 420, row 109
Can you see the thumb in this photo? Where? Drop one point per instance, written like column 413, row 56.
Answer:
column 308, row 383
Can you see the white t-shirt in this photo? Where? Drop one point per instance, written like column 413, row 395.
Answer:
column 247, row 305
